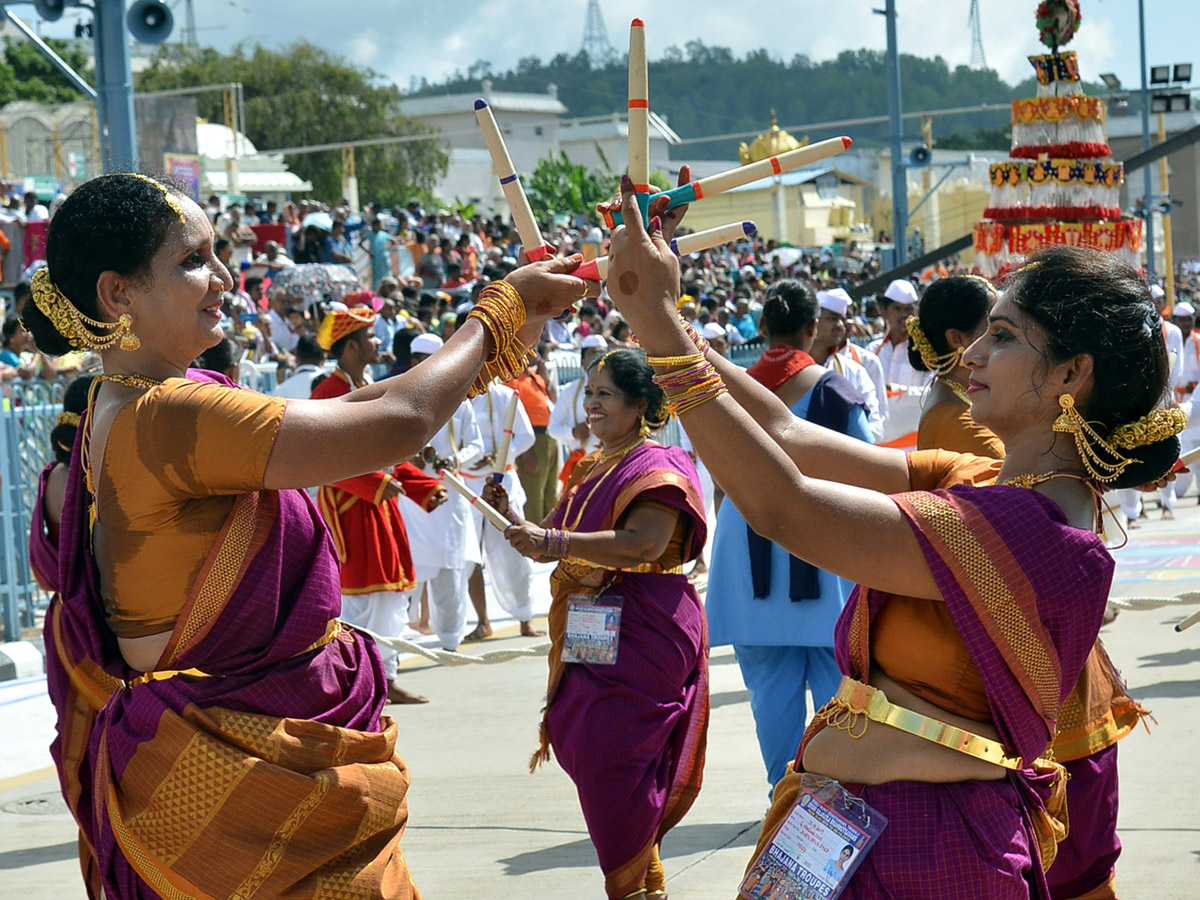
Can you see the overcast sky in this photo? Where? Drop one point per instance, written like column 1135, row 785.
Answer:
column 403, row 39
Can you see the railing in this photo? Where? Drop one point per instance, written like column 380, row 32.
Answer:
column 27, row 416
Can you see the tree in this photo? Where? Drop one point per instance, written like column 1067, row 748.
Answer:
column 304, row 96
column 27, row 75
column 559, row 186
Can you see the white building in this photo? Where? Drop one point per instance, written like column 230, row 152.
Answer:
column 260, row 175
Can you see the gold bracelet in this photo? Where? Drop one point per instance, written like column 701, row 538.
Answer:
column 663, row 362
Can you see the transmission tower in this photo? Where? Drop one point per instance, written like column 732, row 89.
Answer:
column 595, row 38
column 978, row 60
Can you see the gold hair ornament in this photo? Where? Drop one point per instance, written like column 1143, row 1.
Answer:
column 67, row 418
column 1158, row 425
column 80, row 331
column 939, row 365
column 171, row 200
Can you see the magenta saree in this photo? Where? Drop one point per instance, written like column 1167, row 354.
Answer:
column 1027, row 592
column 268, row 752
column 632, row 735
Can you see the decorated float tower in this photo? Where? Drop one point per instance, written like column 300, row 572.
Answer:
column 1061, row 186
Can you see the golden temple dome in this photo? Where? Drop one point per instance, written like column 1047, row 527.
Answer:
column 770, row 143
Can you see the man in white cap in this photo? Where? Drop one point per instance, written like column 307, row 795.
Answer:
column 445, row 543
column 511, row 573
column 904, row 384
column 1183, row 316
column 568, row 422
column 717, row 337
column 831, row 333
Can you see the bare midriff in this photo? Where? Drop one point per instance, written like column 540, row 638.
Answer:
column 885, row 754
column 142, row 653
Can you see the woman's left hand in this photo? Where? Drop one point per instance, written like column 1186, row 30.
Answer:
column 526, row 538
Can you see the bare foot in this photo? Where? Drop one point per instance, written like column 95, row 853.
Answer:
column 527, row 630
column 397, row 694
column 1168, row 516
column 482, row 632
column 1110, row 613
column 420, row 627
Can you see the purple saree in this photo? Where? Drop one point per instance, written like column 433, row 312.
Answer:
column 264, row 749
column 1027, row 592
column 632, row 735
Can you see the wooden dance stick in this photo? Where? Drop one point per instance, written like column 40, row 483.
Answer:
column 518, row 204
column 1189, row 621
column 485, row 509
column 1190, row 457
column 639, row 109
column 597, row 269
column 500, row 463
column 732, row 178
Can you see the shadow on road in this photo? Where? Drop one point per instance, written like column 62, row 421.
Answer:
column 681, row 841
column 1174, row 658
column 34, row 856
column 1178, row 689
column 728, row 698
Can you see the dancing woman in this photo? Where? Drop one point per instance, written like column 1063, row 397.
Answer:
column 630, row 734
column 1099, row 711
column 977, row 606
column 235, row 718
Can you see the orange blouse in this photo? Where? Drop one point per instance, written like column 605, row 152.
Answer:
column 948, row 426
column 175, row 460
column 915, row 641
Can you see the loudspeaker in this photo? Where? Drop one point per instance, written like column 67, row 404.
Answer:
column 150, row 21
column 919, row 157
column 50, row 10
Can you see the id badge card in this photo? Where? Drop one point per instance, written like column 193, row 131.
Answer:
column 593, row 629
column 815, row 850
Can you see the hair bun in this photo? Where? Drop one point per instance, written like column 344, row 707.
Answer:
column 1148, row 463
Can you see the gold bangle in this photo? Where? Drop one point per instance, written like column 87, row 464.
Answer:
column 663, row 362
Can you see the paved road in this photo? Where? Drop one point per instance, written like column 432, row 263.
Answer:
column 482, row 826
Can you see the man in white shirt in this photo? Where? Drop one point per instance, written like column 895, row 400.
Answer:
column 282, row 336
column 904, row 384
column 1131, row 500
column 35, row 210
column 831, row 331
column 511, row 573
column 1183, row 316
column 568, row 422
column 444, row 542
column 310, row 359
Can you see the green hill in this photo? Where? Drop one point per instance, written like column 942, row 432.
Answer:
column 704, row 90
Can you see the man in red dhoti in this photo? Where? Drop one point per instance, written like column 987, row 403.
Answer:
column 362, row 514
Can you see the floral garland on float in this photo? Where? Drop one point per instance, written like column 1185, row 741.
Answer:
column 1061, row 186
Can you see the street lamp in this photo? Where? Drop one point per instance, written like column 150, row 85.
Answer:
column 1175, row 98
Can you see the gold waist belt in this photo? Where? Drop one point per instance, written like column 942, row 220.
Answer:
column 335, row 628
column 855, row 703
column 650, row 568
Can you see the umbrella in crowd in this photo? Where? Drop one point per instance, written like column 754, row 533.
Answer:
column 311, row 283
column 786, row 256
column 321, row 220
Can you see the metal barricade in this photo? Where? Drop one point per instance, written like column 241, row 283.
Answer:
column 27, row 417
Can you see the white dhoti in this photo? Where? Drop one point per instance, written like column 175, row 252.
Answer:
column 445, row 548
column 383, row 612
column 1131, row 503
column 511, row 573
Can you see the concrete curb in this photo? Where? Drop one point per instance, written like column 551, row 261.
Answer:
column 22, row 659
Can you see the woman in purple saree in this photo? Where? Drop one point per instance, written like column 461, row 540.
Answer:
column 977, row 606
column 630, row 734
column 221, row 733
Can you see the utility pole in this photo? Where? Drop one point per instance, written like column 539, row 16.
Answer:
column 1148, row 191
column 899, row 170
column 1168, row 256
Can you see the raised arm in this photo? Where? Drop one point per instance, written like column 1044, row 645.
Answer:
column 378, row 426
column 850, row 530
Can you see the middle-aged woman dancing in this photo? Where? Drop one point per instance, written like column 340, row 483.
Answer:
column 977, row 606
column 631, row 734
column 952, row 315
column 1099, row 711
column 236, row 719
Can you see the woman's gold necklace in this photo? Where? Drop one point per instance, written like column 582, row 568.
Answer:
column 135, row 381
column 621, row 451
column 959, row 390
